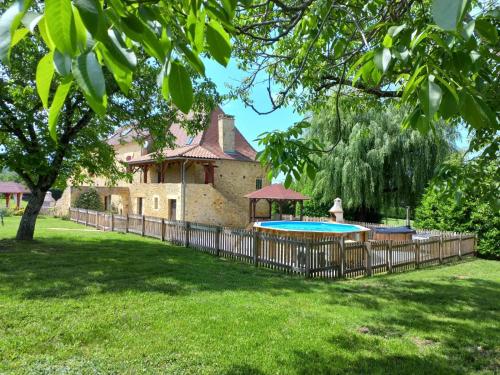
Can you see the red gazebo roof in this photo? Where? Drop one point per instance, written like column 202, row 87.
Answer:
column 13, row 188
column 277, row 192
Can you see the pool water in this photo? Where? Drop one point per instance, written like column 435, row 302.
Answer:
column 310, row 226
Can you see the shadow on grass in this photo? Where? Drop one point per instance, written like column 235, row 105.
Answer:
column 456, row 316
column 59, row 268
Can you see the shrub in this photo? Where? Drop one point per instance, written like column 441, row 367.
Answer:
column 89, row 200
column 469, row 214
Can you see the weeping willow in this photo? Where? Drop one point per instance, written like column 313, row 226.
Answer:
column 376, row 164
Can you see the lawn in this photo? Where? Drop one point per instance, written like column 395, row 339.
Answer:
column 82, row 301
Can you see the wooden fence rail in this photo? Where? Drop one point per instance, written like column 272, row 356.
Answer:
column 329, row 258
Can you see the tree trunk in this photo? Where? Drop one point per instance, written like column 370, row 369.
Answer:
column 27, row 225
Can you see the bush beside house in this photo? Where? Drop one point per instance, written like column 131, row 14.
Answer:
column 89, row 200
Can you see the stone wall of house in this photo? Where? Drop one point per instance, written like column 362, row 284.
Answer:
column 235, row 179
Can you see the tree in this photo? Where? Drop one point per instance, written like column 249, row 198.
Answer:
column 6, row 175
column 467, row 211
column 375, row 164
column 440, row 60
column 89, row 200
column 95, row 83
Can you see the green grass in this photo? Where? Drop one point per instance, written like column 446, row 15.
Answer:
column 78, row 301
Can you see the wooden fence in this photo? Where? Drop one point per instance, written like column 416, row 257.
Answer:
column 326, row 258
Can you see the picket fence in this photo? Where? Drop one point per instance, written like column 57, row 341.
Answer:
column 326, row 258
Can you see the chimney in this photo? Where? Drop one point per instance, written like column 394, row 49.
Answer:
column 226, row 132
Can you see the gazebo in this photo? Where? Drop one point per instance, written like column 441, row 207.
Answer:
column 13, row 188
column 274, row 193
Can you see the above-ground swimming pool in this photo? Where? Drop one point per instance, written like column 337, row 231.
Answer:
column 314, row 230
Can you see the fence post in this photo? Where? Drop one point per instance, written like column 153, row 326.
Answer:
column 474, row 250
column 342, row 257
column 389, row 257
column 186, row 237
column 217, row 240
column 126, row 223
column 163, row 229
column 112, row 222
column 460, row 246
column 441, row 249
column 86, row 217
column 255, row 235
column 417, row 254
column 368, row 247
column 143, row 222
column 308, row 259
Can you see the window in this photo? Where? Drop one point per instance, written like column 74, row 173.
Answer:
column 156, row 203
column 189, row 141
column 258, row 184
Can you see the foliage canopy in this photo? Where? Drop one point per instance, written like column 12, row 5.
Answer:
column 375, row 164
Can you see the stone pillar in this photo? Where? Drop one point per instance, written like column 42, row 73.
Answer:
column 19, row 196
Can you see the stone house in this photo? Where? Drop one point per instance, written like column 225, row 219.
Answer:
column 203, row 179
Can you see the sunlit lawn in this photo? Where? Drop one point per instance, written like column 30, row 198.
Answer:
column 78, row 301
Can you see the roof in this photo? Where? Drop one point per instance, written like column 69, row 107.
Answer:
column 277, row 192
column 204, row 145
column 13, row 187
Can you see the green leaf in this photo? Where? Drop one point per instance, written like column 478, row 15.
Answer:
column 311, row 171
column 118, row 50
column 122, row 75
column 93, row 17
column 193, row 59
column 449, row 106
column 196, row 30
column 382, row 59
column 9, row 22
column 44, row 34
column 180, row 87
column 430, row 98
column 476, row 112
column 19, row 34
column 448, row 13
column 218, row 42
column 486, row 30
column 80, row 30
column 88, row 74
column 288, row 180
column 62, row 63
column 57, row 104
column 229, row 7
column 44, row 74
column 387, row 42
column 395, row 30
column 61, row 25
column 339, row 48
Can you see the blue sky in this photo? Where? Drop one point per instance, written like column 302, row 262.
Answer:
column 252, row 124
column 248, row 122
